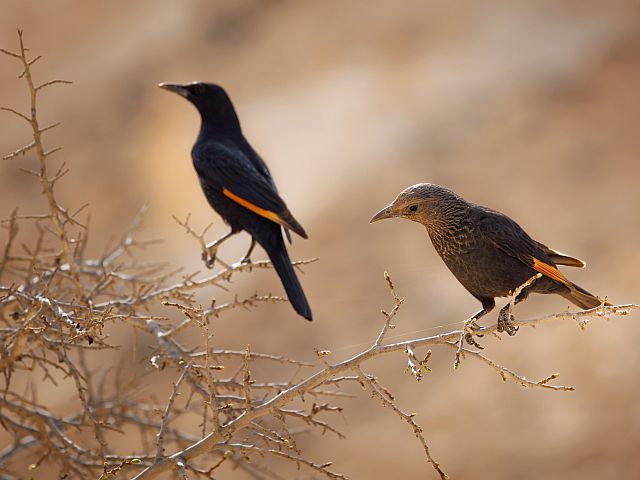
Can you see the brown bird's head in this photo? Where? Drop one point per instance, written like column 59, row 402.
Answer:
column 424, row 203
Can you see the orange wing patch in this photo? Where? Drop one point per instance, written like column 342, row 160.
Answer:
column 549, row 271
column 268, row 214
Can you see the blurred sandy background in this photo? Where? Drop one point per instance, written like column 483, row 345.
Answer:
column 530, row 107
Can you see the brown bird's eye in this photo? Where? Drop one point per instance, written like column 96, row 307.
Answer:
column 413, row 208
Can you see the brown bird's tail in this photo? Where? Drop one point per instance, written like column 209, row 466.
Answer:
column 580, row 297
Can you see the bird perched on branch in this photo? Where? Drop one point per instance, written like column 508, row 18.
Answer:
column 239, row 186
column 489, row 254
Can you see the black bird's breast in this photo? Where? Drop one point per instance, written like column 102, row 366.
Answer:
column 230, row 211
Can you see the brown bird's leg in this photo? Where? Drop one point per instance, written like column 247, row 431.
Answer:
column 209, row 252
column 247, row 257
column 472, row 327
column 505, row 319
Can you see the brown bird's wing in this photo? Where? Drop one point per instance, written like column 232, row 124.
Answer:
column 509, row 237
column 560, row 258
column 231, row 172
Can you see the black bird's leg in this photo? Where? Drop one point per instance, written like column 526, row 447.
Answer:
column 209, row 252
column 472, row 327
column 247, row 257
column 505, row 319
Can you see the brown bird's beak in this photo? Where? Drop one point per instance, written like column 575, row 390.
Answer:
column 386, row 212
column 175, row 88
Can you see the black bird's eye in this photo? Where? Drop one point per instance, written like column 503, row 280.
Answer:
column 413, row 208
column 198, row 89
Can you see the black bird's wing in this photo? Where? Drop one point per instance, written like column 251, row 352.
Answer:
column 230, row 171
column 260, row 165
column 509, row 237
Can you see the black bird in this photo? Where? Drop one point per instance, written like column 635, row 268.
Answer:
column 238, row 185
column 489, row 254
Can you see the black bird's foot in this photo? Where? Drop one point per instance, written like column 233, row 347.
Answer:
column 247, row 256
column 209, row 251
column 209, row 255
column 505, row 322
column 471, row 328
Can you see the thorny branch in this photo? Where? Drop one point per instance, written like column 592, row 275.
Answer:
column 330, row 372
column 165, row 416
column 388, row 400
column 57, row 313
column 57, row 214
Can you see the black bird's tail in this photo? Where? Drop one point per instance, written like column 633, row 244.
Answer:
column 580, row 297
column 280, row 259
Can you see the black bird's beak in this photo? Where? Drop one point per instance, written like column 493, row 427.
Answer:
column 175, row 88
column 386, row 212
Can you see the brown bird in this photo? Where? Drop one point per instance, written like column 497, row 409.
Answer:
column 489, row 254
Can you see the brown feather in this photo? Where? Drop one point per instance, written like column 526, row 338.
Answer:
column 583, row 299
column 560, row 258
column 550, row 271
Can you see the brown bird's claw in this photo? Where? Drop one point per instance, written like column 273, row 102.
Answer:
column 468, row 337
column 471, row 328
column 505, row 323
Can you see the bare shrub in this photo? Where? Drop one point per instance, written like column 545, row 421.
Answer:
column 56, row 306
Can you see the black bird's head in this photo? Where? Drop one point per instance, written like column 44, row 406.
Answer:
column 211, row 100
column 425, row 203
